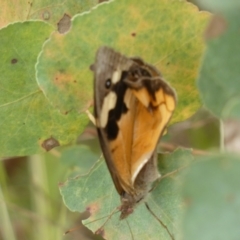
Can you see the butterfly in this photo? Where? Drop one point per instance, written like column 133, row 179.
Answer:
column 132, row 106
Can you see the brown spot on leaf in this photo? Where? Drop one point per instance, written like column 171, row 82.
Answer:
column 61, row 184
column 50, row 143
column 230, row 198
column 14, row 60
column 216, row 27
column 61, row 79
column 187, row 201
column 93, row 208
column 91, row 67
column 100, row 232
column 46, row 15
column 134, row 34
column 64, row 24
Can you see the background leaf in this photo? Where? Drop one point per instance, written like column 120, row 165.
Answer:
column 96, row 193
column 78, row 158
column 216, row 5
column 218, row 81
column 50, row 11
column 167, row 35
column 26, row 117
column 212, row 199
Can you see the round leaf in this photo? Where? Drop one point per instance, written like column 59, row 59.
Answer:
column 27, row 119
column 50, row 11
column 167, row 35
column 96, row 193
column 218, row 81
column 212, row 199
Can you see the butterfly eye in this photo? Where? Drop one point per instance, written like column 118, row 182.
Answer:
column 108, row 83
column 145, row 73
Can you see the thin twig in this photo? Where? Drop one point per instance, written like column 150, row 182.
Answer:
column 171, row 147
column 173, row 172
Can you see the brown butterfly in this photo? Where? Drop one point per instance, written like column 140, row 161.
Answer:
column 132, row 106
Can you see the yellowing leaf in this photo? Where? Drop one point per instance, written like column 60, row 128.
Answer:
column 167, row 34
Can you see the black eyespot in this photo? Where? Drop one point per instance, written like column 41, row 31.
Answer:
column 108, row 83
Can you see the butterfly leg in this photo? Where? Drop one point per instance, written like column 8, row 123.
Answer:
column 91, row 117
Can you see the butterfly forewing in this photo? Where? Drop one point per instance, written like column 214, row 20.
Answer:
column 110, row 91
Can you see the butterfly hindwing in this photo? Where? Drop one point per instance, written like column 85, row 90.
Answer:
column 155, row 106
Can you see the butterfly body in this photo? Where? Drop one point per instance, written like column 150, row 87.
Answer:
column 132, row 106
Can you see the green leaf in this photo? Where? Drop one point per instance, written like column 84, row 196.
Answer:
column 194, row 132
column 50, row 11
column 96, row 193
column 218, row 81
column 212, row 199
column 218, row 5
column 26, row 117
column 167, row 35
column 78, row 157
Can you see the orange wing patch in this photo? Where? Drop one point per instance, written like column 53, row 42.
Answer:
column 140, row 129
column 149, row 126
column 121, row 147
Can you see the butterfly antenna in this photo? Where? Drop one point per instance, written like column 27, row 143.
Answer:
column 113, row 212
column 159, row 220
column 76, row 228
column 130, row 229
